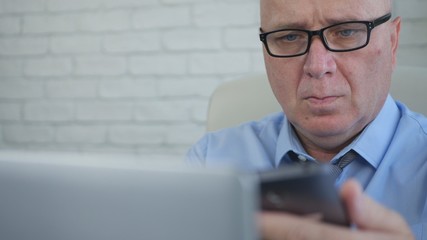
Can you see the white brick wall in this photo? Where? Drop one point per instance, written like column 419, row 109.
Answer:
column 132, row 76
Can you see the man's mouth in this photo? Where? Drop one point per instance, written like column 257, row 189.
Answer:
column 321, row 100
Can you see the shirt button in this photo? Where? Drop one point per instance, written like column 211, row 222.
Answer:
column 302, row 158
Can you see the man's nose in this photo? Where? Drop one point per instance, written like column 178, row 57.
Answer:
column 319, row 60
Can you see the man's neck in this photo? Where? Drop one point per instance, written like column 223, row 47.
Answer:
column 324, row 152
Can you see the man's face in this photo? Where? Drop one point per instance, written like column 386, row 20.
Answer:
column 329, row 97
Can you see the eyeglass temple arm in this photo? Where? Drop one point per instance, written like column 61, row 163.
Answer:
column 381, row 20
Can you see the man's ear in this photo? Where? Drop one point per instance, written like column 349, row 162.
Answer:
column 395, row 34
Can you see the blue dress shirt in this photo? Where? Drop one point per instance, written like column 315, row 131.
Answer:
column 393, row 147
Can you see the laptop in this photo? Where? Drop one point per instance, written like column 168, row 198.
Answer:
column 45, row 199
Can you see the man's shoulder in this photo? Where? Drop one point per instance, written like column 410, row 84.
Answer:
column 412, row 119
column 269, row 125
column 241, row 142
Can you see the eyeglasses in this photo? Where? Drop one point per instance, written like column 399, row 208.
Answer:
column 341, row 37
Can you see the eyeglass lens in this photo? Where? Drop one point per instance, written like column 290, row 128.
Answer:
column 340, row 37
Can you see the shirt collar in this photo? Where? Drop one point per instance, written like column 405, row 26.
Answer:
column 380, row 131
column 377, row 136
column 287, row 141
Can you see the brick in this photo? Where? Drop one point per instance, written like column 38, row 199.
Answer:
column 162, row 111
column 129, row 3
column 67, row 5
column 164, row 64
column 49, row 111
column 20, row 6
column 222, row 63
column 113, row 152
column 63, row 23
column 128, row 88
column 76, row 44
column 242, row 38
column 71, row 89
column 27, row 134
column 136, row 134
column 10, row 111
column 81, row 134
column 11, row 67
column 184, row 134
column 47, row 66
column 162, row 17
column 101, row 65
column 184, row 1
column 10, row 25
column 188, row 87
column 20, row 90
column 101, row 21
column 104, row 111
column 170, row 154
column 132, row 42
column 190, row 39
column 226, row 14
column 16, row 46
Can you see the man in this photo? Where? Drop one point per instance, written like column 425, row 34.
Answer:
column 329, row 64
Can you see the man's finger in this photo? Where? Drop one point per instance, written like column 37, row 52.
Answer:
column 367, row 214
column 279, row 226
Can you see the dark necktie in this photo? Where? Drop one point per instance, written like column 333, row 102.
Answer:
column 337, row 168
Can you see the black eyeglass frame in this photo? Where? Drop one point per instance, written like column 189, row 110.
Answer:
column 369, row 24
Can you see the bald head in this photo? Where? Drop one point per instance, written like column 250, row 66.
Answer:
column 385, row 2
column 275, row 13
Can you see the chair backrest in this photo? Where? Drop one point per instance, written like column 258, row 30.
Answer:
column 251, row 98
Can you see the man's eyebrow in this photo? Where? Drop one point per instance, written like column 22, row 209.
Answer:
column 297, row 25
column 304, row 25
column 283, row 26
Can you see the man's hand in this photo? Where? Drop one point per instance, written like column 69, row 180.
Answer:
column 373, row 221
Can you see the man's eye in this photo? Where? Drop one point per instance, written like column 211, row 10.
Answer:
column 290, row 37
column 346, row 33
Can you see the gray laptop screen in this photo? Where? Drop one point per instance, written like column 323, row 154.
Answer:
column 52, row 201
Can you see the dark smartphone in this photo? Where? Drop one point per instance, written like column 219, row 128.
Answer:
column 302, row 189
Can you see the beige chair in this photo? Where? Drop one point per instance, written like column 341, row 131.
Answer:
column 251, row 98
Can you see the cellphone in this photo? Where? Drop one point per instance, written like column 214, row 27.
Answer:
column 303, row 189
